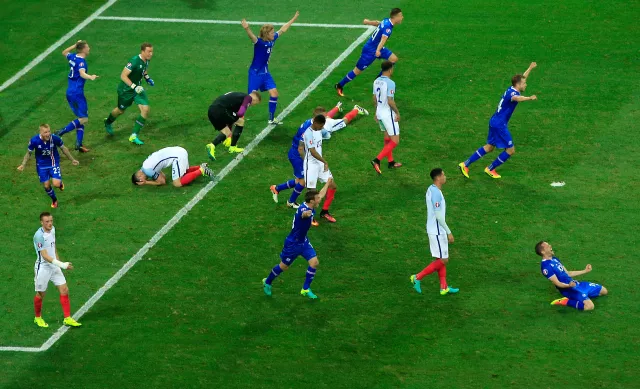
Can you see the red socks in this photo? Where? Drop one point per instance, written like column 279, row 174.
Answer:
column 329, row 199
column 187, row 178
column 351, row 115
column 193, row 169
column 442, row 274
column 387, row 150
column 390, row 155
column 433, row 266
column 333, row 112
column 66, row 307
column 37, row 305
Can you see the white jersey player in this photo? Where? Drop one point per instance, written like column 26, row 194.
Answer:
column 332, row 124
column 175, row 157
column 47, row 268
column 439, row 234
column 387, row 116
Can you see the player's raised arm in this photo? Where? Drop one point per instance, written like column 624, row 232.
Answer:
column 284, row 28
column 69, row 49
column 66, row 152
column 250, row 33
column 531, row 67
column 368, row 22
column 520, row 99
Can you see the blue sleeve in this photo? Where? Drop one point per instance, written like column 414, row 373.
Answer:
column 436, row 199
column 386, row 28
column 69, row 56
column 38, row 240
column 276, row 36
column 57, row 140
column 82, row 65
column 31, row 146
column 259, row 40
column 513, row 93
column 547, row 270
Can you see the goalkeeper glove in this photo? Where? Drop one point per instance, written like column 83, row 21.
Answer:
column 137, row 88
column 149, row 80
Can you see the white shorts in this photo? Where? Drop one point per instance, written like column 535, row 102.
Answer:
column 313, row 172
column 387, row 122
column 45, row 272
column 180, row 165
column 439, row 245
column 333, row 125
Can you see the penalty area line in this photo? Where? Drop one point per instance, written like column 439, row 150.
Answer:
column 213, row 21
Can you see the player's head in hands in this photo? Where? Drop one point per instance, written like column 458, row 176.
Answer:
column 544, row 249
column 438, row 176
column 267, row 32
column 45, row 132
column 46, row 220
column 138, row 178
column 387, row 68
column 146, row 51
column 255, row 97
column 396, row 16
column 519, row 82
column 318, row 122
column 82, row 48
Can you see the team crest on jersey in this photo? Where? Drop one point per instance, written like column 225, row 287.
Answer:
column 513, row 93
column 546, row 272
column 39, row 245
column 129, row 65
column 437, row 204
column 388, row 30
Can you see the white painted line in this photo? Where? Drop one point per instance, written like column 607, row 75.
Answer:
column 557, row 184
column 210, row 21
column 55, row 46
column 195, row 200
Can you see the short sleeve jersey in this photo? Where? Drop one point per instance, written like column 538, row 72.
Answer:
column 75, row 81
column 383, row 88
column 43, row 240
column 300, row 226
column 384, row 28
column 312, row 140
column 138, row 68
column 261, row 54
column 46, row 151
column 506, row 106
column 553, row 267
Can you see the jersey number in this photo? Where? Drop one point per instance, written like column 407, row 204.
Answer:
column 46, row 152
column 56, row 170
column 373, row 36
column 71, row 73
column 500, row 104
column 379, row 95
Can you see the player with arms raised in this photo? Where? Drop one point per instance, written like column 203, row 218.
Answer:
column 297, row 244
column 374, row 47
column 259, row 76
column 499, row 135
column 577, row 294
column 75, row 90
column 46, row 146
column 48, row 267
column 439, row 235
column 175, row 157
column 387, row 116
column 130, row 91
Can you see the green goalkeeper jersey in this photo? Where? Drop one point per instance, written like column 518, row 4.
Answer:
column 138, row 68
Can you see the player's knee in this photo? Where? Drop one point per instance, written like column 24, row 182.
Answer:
column 41, row 294
column 489, row 148
column 144, row 110
column 588, row 305
column 240, row 122
column 444, row 260
column 283, row 266
column 177, row 183
column 64, row 290
column 604, row 291
column 83, row 121
column 511, row 150
column 313, row 262
column 393, row 58
column 273, row 92
column 356, row 71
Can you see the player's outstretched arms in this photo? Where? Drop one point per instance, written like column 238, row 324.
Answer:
column 531, row 67
column 520, row 99
column 24, row 160
column 66, row 152
column 576, row 273
column 371, row 22
column 250, row 33
column 284, row 28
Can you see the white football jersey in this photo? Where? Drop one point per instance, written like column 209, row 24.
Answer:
column 43, row 240
column 312, row 140
column 162, row 159
column 435, row 202
column 383, row 88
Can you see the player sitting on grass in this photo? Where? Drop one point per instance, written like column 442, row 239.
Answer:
column 181, row 173
column 577, row 294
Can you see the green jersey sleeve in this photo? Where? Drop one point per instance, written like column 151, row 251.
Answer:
column 138, row 67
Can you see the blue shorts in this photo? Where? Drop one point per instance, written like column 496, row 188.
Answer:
column 260, row 82
column 291, row 251
column 49, row 172
column 500, row 138
column 78, row 104
column 367, row 57
column 583, row 291
column 298, row 166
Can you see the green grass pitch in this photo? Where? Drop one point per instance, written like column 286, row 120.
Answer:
column 192, row 313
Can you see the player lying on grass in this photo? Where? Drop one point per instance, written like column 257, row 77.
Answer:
column 46, row 146
column 181, row 173
column 332, row 125
column 577, row 294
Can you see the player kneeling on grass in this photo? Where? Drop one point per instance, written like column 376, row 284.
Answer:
column 576, row 294
column 48, row 268
column 181, row 173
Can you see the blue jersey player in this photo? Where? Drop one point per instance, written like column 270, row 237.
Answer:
column 297, row 244
column 577, row 294
column 296, row 153
column 374, row 47
column 75, row 90
column 259, row 76
column 46, row 146
column 499, row 135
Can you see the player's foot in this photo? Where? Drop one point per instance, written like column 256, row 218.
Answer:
column 235, row 149
column 562, row 301
column 135, row 140
column 40, row 322
column 266, row 287
column 314, row 222
column 361, row 111
column 492, row 173
column 275, row 122
column 463, row 169
column 211, row 151
column 108, row 127
column 82, row 149
column 326, row 215
column 394, row 165
column 450, row 289
column 376, row 166
column 339, row 89
column 293, row 205
column 227, row 142
column 308, row 293
column 61, row 187
column 274, row 193
column 416, row 283
column 339, row 106
column 68, row 321
column 54, row 204
column 206, row 170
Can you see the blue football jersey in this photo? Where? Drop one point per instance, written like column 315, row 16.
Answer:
column 300, row 225
column 46, row 152
column 76, row 82
column 298, row 137
column 384, row 28
column 261, row 54
column 501, row 117
column 553, row 267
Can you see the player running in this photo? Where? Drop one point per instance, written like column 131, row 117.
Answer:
column 130, row 91
column 224, row 112
column 181, row 173
column 499, row 135
column 297, row 244
column 259, row 76
column 577, row 294
column 46, row 146
column 387, row 116
column 48, row 267
column 75, row 90
column 374, row 47
column 439, row 235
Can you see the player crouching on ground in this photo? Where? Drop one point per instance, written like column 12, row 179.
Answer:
column 181, row 173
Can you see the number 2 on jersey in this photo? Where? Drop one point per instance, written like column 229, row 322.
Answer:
column 379, row 95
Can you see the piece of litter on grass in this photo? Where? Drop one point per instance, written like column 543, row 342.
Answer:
column 557, row 184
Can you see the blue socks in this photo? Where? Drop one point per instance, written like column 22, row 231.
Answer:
column 70, row 127
column 296, row 192
column 475, row 156
column 51, row 194
column 348, row 78
column 286, row 185
column 579, row 305
column 502, row 158
column 79, row 135
column 311, row 272
column 276, row 271
column 273, row 103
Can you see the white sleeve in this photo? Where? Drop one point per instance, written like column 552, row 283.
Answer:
column 309, row 141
